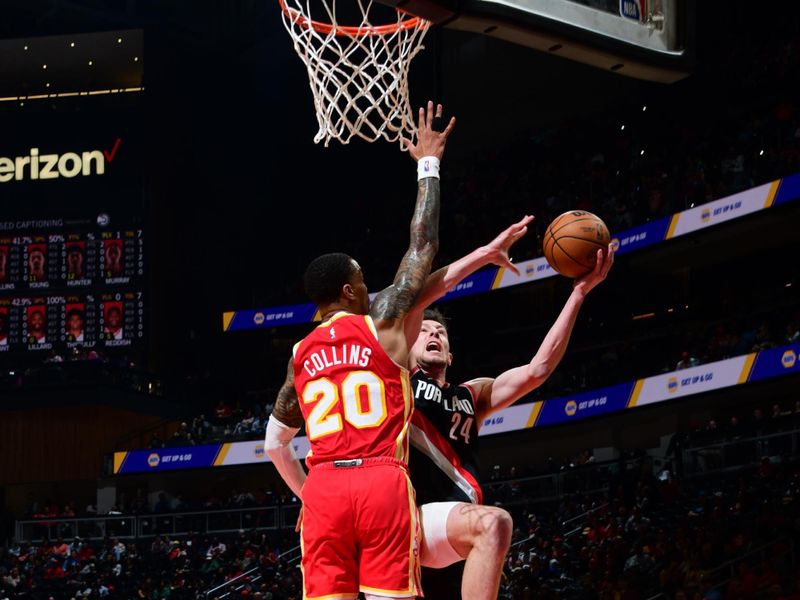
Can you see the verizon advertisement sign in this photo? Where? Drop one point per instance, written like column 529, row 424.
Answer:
column 39, row 164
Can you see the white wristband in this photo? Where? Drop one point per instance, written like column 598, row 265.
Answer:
column 428, row 166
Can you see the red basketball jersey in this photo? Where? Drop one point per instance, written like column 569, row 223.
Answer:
column 355, row 399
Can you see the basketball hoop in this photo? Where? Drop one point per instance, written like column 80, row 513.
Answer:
column 358, row 74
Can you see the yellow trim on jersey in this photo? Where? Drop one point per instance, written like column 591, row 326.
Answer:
column 371, row 325
column 338, row 315
column 387, row 593
column 773, row 191
column 295, row 347
column 401, row 452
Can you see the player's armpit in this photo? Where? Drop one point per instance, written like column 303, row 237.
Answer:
column 287, row 405
column 481, row 392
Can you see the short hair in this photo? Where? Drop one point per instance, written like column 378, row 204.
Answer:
column 74, row 248
column 326, row 275
column 74, row 311
column 434, row 314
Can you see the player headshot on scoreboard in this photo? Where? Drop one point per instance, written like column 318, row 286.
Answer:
column 75, row 255
column 3, row 264
column 3, row 326
column 37, row 262
column 37, row 325
column 112, row 327
column 75, row 322
column 112, row 251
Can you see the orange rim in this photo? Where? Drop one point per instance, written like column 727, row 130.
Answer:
column 298, row 18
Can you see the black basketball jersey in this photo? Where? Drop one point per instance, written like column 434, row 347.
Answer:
column 444, row 439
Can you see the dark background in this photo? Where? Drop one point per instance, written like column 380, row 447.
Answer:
column 239, row 197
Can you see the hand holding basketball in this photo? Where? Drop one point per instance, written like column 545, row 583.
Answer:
column 605, row 260
column 429, row 141
column 572, row 240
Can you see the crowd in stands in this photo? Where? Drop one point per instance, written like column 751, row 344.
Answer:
column 631, row 531
column 649, row 535
column 153, row 569
column 79, row 366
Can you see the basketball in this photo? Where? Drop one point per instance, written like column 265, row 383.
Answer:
column 571, row 242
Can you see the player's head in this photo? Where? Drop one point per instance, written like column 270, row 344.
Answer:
column 75, row 320
column 3, row 261
column 113, row 253
column 431, row 351
column 75, row 259
column 337, row 279
column 36, row 259
column 113, row 318
column 36, row 321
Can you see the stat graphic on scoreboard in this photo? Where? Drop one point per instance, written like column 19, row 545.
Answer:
column 63, row 288
column 72, row 260
column 71, row 320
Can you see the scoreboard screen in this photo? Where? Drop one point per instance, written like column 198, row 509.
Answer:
column 71, row 260
column 72, row 286
column 71, row 320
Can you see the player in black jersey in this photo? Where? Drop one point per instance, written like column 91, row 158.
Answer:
column 444, row 436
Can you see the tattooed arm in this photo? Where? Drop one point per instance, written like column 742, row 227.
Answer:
column 393, row 304
column 287, row 406
column 284, row 423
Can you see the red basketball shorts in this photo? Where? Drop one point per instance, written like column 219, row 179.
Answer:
column 360, row 530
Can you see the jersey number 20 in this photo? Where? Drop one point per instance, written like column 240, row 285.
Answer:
column 364, row 403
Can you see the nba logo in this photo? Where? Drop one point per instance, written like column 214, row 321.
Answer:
column 633, row 9
column 705, row 215
column 153, row 460
column 571, row 408
column 788, row 359
column 672, row 385
column 333, row 333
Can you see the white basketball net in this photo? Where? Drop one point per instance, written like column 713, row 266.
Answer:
column 358, row 75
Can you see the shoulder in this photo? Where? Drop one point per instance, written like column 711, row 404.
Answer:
column 477, row 386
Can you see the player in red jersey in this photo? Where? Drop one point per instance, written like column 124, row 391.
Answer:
column 347, row 379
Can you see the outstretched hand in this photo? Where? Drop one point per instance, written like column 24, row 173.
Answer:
column 497, row 249
column 605, row 260
column 429, row 141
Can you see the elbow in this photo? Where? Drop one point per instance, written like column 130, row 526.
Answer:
column 539, row 371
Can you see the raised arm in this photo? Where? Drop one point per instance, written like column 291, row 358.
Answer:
column 446, row 278
column 284, row 423
column 392, row 305
column 510, row 386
